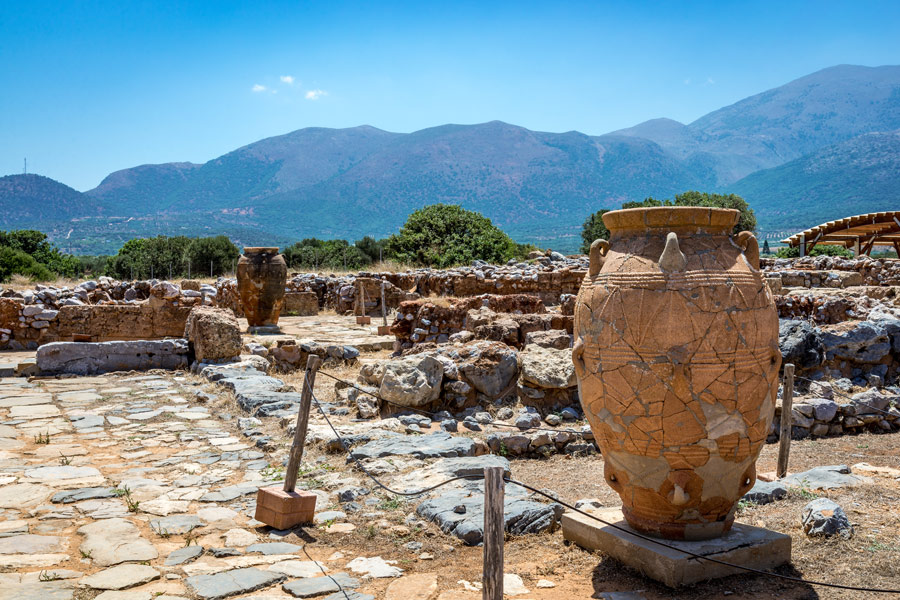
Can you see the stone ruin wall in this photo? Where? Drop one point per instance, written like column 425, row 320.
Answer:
column 842, row 323
column 97, row 312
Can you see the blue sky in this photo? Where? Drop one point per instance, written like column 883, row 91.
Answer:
column 87, row 88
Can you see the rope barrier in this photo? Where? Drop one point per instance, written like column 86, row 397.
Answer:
column 430, row 414
column 843, row 395
column 591, row 516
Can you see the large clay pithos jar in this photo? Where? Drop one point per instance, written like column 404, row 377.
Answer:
column 261, row 275
column 677, row 360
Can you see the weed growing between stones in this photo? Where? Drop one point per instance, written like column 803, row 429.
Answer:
column 802, row 491
column 272, row 472
column 161, row 532
column 129, row 501
column 42, row 438
column 390, row 504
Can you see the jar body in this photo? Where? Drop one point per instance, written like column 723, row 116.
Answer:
column 677, row 360
column 261, row 276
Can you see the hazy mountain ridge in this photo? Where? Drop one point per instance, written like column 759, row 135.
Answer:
column 539, row 186
column 779, row 125
column 29, row 199
column 857, row 176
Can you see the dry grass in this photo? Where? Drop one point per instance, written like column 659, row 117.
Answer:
column 21, row 283
column 385, row 266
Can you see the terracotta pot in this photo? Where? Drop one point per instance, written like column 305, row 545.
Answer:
column 261, row 275
column 677, row 360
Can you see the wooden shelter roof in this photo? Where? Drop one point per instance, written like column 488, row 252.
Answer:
column 872, row 229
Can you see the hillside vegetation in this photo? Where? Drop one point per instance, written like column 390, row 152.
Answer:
column 796, row 153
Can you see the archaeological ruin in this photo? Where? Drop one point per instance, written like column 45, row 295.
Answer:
column 140, row 419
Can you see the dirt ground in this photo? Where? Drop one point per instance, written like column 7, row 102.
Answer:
column 870, row 559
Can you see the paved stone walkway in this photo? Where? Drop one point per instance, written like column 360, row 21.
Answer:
column 338, row 330
column 129, row 488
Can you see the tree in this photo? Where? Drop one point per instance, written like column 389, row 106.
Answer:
column 443, row 235
column 818, row 250
column 333, row 255
column 593, row 229
column 765, row 248
column 747, row 220
column 371, row 247
column 217, row 253
column 161, row 257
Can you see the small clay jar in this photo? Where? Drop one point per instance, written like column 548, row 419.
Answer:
column 677, row 362
column 261, row 276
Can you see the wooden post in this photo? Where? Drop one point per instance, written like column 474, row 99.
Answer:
column 383, row 306
column 494, row 527
column 293, row 466
column 784, row 440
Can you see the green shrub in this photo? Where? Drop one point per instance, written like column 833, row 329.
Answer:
column 17, row 262
column 34, row 244
column 594, row 229
column 443, row 235
column 27, row 252
column 818, row 250
column 746, row 222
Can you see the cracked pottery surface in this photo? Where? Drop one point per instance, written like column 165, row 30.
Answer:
column 261, row 275
column 677, row 363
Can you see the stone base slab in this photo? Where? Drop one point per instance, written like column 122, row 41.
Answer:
column 93, row 358
column 283, row 510
column 744, row 545
column 264, row 330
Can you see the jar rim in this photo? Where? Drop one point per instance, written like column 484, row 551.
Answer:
column 671, row 217
column 260, row 250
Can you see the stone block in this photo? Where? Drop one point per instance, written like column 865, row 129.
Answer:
column 303, row 304
column 283, row 510
column 105, row 357
column 214, row 334
column 743, row 545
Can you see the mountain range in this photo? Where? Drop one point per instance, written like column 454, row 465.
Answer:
column 821, row 147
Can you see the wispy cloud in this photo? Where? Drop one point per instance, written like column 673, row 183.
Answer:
column 258, row 88
column 315, row 94
column 687, row 81
column 710, row 81
column 288, row 79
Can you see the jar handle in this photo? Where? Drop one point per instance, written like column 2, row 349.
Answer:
column 598, row 251
column 578, row 358
column 672, row 258
column 750, row 245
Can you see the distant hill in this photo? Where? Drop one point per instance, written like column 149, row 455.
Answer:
column 779, row 125
column 857, row 176
column 26, row 200
column 812, row 140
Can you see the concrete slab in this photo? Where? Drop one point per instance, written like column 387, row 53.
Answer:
column 744, row 545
